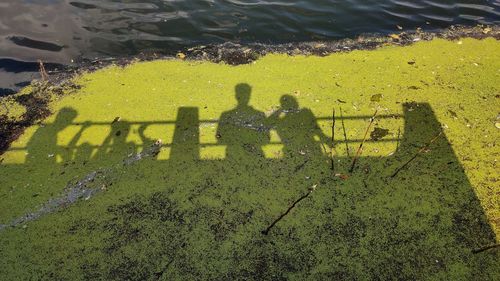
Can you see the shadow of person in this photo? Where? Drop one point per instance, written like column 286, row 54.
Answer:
column 43, row 147
column 83, row 152
column 242, row 130
column 115, row 144
column 297, row 129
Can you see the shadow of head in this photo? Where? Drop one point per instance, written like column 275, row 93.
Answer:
column 65, row 117
column 289, row 102
column 243, row 91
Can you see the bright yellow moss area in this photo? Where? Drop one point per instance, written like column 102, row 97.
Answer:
column 259, row 155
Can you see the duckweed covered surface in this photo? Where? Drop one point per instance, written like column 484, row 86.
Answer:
column 86, row 194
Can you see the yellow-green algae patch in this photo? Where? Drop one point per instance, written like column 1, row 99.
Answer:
column 226, row 170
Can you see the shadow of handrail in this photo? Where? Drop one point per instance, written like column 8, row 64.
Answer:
column 215, row 121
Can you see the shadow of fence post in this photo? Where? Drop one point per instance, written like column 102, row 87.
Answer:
column 186, row 140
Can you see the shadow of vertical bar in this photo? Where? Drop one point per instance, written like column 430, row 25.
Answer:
column 185, row 143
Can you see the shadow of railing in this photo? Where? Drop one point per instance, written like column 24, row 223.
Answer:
column 189, row 121
column 428, row 212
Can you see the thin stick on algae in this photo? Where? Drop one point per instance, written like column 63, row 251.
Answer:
column 417, row 154
column 360, row 148
column 42, row 71
column 333, row 140
column 345, row 134
column 397, row 143
column 266, row 231
column 477, row 251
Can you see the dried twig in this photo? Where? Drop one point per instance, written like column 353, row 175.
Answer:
column 345, row 134
column 42, row 71
column 333, row 140
column 476, row 251
column 360, row 148
column 397, row 143
column 417, row 154
column 266, row 231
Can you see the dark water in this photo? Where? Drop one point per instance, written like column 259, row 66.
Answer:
column 58, row 31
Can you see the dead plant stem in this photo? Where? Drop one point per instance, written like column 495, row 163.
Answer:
column 424, row 148
column 360, row 148
column 333, row 141
column 345, row 134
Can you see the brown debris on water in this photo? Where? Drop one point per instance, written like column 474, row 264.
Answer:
column 36, row 104
column 378, row 133
column 236, row 54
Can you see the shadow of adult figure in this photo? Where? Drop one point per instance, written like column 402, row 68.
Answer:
column 243, row 128
column 115, row 144
column 43, row 147
column 297, row 129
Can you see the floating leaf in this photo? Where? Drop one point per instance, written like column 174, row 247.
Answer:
column 181, row 56
column 342, row 176
column 378, row 133
column 394, row 36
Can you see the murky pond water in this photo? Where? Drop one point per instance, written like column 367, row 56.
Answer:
column 58, row 31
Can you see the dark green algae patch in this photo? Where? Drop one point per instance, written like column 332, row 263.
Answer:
column 239, row 144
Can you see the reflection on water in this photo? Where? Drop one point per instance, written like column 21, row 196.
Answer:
column 60, row 30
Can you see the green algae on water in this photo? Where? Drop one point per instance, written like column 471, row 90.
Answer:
column 242, row 143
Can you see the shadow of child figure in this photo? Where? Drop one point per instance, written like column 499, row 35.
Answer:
column 115, row 145
column 43, row 147
column 82, row 152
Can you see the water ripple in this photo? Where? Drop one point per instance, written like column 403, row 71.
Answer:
column 60, row 30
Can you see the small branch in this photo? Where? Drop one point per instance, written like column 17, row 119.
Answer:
column 333, row 140
column 266, row 231
column 345, row 134
column 417, row 154
column 476, row 251
column 324, row 148
column 360, row 148
column 159, row 274
column 42, row 71
column 397, row 143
